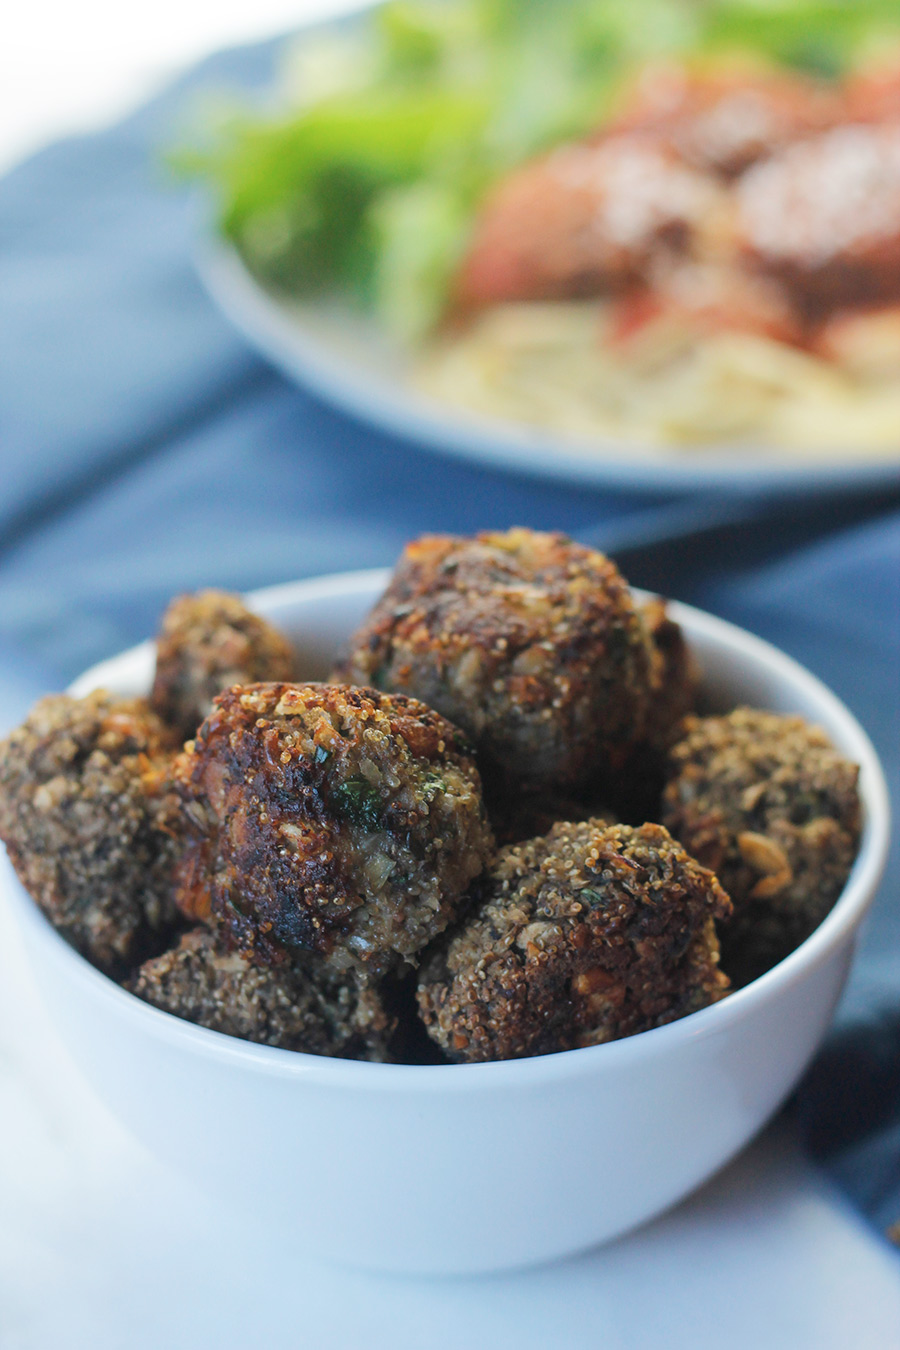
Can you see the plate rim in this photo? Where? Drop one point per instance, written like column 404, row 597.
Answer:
column 275, row 330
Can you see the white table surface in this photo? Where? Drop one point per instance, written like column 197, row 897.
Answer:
column 66, row 67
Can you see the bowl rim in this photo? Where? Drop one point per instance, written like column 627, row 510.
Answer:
column 532, row 1071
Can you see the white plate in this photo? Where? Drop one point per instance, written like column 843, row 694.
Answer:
column 348, row 362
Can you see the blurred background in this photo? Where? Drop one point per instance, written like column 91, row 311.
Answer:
column 66, row 69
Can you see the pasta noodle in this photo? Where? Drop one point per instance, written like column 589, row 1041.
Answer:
column 556, row 367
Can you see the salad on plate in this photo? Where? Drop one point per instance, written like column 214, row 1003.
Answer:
column 662, row 223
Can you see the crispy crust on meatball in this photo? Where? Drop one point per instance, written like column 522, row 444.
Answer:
column 83, row 813
column 529, row 642
column 767, row 803
column 207, row 643
column 585, row 935
column 329, row 819
column 297, row 1007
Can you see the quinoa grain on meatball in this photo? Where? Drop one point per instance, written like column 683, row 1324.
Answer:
column 83, row 813
column 767, row 803
column 527, row 641
column 329, row 819
column 207, row 643
column 296, row 1007
column 588, row 934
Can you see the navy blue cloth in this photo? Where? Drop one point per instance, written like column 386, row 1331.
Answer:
column 144, row 449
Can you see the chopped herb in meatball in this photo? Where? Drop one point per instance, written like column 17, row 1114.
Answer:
column 329, row 819
column 587, row 934
column 529, row 642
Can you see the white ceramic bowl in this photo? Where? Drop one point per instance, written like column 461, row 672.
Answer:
column 478, row 1167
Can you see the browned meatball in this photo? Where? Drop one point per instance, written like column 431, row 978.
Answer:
column 207, row 643
column 297, row 1007
column 727, row 117
column 767, row 803
column 83, row 814
column 328, row 819
column 529, row 642
column 823, row 216
column 585, row 220
column 588, row 934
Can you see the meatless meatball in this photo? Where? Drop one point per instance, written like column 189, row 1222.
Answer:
column 327, row 819
column 207, row 643
column 587, row 934
column 772, row 808
column 297, row 1007
column 585, row 220
column 83, row 813
column 823, row 216
column 530, row 643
